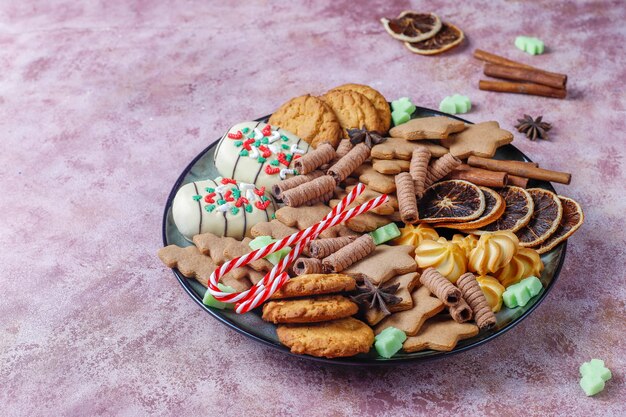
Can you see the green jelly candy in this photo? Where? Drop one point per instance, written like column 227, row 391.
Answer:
column 530, row 45
column 385, row 233
column 595, row 367
column 389, row 342
column 399, row 117
column 210, row 301
column 455, row 104
column 592, row 385
column 403, row 104
column 262, row 241
column 519, row 294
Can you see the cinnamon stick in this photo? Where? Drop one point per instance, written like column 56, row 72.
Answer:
column 517, row 181
column 525, row 74
column 500, row 60
column 479, row 176
column 522, row 88
column 520, row 170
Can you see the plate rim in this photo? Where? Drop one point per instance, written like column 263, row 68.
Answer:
column 350, row 361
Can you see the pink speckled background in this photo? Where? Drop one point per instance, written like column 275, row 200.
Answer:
column 103, row 103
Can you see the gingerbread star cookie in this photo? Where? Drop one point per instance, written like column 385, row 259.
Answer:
column 306, row 216
column 410, row 321
column 274, row 228
column 374, row 179
column 378, row 100
column 368, row 194
column 436, row 127
column 480, row 139
column 440, row 333
column 390, row 166
column 398, row 148
column 309, row 118
column 331, row 339
column 383, row 264
column 365, row 222
column 353, row 110
column 222, row 249
column 406, row 285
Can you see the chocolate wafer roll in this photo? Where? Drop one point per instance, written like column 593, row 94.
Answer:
column 440, row 168
column 407, row 203
column 441, row 287
column 304, row 266
column 461, row 312
column 419, row 169
column 279, row 188
column 313, row 160
column 349, row 254
column 321, row 248
column 344, row 147
column 349, row 162
column 474, row 296
column 322, row 199
column 308, row 191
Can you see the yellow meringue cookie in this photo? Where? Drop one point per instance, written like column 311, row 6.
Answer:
column 524, row 264
column 493, row 251
column 446, row 257
column 467, row 243
column 414, row 235
column 493, row 291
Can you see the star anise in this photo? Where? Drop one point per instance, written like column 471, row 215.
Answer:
column 533, row 128
column 377, row 296
column 370, row 138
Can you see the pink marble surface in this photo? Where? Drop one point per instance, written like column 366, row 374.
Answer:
column 103, row 103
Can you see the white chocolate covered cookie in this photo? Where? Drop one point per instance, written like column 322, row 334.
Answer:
column 222, row 206
column 258, row 153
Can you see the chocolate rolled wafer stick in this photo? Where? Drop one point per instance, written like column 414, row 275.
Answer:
column 321, row 248
column 321, row 199
column 441, row 287
column 407, row 203
column 349, row 254
column 344, row 147
column 313, row 160
column 474, row 296
column 308, row 191
column 304, row 266
column 461, row 312
column 279, row 188
column 440, row 168
column 349, row 162
column 419, row 169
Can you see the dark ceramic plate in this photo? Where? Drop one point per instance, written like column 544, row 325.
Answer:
column 251, row 324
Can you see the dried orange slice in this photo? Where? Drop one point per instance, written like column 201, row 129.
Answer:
column 545, row 220
column 519, row 208
column 573, row 217
column 494, row 208
column 453, row 200
column 411, row 26
column 447, row 38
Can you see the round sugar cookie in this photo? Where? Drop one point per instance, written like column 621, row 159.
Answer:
column 222, row 206
column 353, row 110
column 378, row 100
column 258, row 153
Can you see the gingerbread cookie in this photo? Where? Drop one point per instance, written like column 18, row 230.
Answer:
column 353, row 110
column 390, row 166
column 309, row 310
column 377, row 99
column 315, row 284
column 435, row 127
column 480, row 139
column 222, row 206
column 303, row 217
column 375, row 180
column 309, row 118
column 368, row 194
column 332, row 339
column 274, row 228
column 411, row 321
column 440, row 333
column 365, row 222
column 398, row 148
column 406, row 284
column 258, row 153
column 383, row 264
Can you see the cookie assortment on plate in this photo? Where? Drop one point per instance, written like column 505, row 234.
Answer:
column 354, row 237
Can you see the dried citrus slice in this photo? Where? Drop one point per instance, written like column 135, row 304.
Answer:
column 447, row 38
column 411, row 26
column 494, row 208
column 519, row 208
column 453, row 200
column 571, row 220
column 545, row 220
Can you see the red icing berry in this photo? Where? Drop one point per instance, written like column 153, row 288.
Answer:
column 262, row 206
column 270, row 170
column 259, row 191
column 228, row 181
column 209, row 198
column 237, row 135
column 267, row 130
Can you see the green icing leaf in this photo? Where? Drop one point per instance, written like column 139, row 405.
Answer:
column 209, row 208
column 234, row 210
column 197, row 197
column 249, row 208
column 260, row 159
column 209, row 190
column 284, row 146
column 243, row 152
column 245, row 130
column 238, row 143
column 265, row 141
column 220, row 202
column 284, row 138
column 275, row 162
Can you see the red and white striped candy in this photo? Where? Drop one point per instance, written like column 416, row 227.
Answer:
column 273, row 280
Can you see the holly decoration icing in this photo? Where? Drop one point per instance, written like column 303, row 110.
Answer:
column 228, row 197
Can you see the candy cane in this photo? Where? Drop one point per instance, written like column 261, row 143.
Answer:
column 273, row 280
